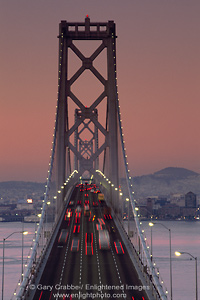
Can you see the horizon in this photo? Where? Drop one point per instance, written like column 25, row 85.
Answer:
column 43, row 182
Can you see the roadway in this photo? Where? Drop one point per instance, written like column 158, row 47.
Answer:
column 81, row 272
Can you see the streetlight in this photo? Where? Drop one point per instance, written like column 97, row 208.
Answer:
column 127, row 199
column 4, row 239
column 151, row 224
column 23, row 233
column 122, row 205
column 170, row 251
column 178, row 253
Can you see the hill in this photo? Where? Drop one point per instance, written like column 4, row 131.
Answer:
column 167, row 181
column 164, row 182
column 20, row 190
column 21, row 185
column 178, row 173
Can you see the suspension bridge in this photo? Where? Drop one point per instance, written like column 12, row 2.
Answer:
column 84, row 247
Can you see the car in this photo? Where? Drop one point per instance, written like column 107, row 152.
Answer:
column 104, row 240
column 101, row 221
column 78, row 218
column 78, row 209
column 100, row 226
column 81, row 188
column 76, row 229
column 89, row 243
column 68, row 214
column 107, row 217
column 118, row 247
column 67, row 219
column 75, row 244
column 86, row 210
column 63, row 237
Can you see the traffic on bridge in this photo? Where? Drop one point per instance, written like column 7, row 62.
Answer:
column 88, row 259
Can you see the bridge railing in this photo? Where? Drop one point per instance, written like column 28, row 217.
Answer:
column 46, row 224
column 137, row 260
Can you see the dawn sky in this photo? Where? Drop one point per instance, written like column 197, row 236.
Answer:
column 158, row 68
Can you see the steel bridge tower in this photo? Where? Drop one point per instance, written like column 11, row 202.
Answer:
column 71, row 149
column 86, row 154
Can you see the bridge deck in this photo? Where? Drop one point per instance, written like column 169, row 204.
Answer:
column 80, row 270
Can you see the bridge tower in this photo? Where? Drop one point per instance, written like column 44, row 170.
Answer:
column 86, row 153
column 85, row 148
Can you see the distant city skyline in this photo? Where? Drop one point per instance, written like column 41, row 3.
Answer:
column 158, row 72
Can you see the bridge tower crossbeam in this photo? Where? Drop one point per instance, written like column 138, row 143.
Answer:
column 86, row 154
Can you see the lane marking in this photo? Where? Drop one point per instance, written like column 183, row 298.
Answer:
column 81, row 255
column 66, row 252
column 97, row 256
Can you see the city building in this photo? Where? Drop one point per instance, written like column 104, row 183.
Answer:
column 190, row 200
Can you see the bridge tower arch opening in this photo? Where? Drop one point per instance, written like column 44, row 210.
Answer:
column 74, row 153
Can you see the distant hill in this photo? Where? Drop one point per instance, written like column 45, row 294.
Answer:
column 167, row 181
column 21, row 185
column 20, row 190
column 164, row 182
column 178, row 173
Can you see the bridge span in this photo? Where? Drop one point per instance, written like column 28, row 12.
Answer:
column 82, row 248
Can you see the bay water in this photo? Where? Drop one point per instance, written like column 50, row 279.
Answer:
column 185, row 238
